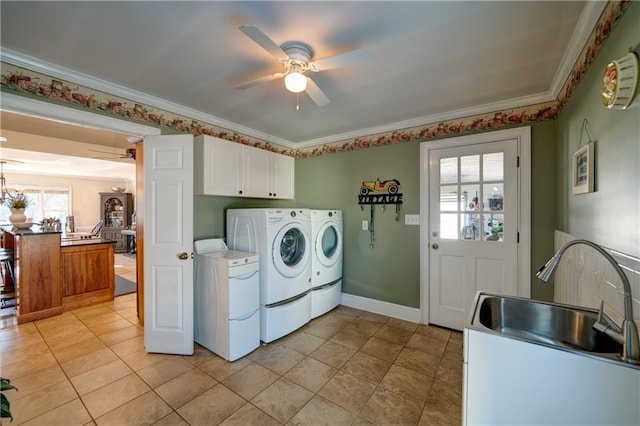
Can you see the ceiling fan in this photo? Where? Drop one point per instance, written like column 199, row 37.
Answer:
column 128, row 153
column 296, row 57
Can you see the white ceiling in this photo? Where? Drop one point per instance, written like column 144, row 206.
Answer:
column 428, row 58
column 42, row 163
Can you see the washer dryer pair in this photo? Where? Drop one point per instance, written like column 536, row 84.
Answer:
column 326, row 262
column 282, row 239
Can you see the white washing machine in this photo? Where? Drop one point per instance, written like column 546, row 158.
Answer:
column 326, row 262
column 282, row 238
column 226, row 299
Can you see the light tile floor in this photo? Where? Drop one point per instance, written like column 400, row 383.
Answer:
column 88, row 366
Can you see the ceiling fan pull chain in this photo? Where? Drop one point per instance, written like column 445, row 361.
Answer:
column 297, row 101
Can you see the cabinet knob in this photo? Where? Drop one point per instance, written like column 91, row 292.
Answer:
column 270, row 194
column 240, row 192
column 274, row 194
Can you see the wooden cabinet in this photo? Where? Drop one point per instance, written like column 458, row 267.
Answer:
column 37, row 274
column 228, row 168
column 116, row 211
column 88, row 275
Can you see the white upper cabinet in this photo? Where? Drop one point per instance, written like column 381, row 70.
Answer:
column 217, row 166
column 282, row 176
column 228, row 168
column 256, row 172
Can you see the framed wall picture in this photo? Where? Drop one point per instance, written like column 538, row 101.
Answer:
column 583, row 161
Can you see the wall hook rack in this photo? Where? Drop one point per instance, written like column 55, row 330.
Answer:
column 379, row 192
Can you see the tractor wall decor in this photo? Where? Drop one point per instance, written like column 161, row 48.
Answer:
column 379, row 192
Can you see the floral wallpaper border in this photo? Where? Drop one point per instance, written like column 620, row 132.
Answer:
column 29, row 83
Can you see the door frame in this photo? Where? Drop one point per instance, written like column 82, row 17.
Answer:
column 523, row 137
column 53, row 112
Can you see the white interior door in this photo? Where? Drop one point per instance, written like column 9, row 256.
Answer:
column 168, row 238
column 473, row 227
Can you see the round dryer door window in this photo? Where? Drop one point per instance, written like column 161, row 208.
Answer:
column 329, row 245
column 291, row 251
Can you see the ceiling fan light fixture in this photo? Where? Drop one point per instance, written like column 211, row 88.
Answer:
column 295, row 82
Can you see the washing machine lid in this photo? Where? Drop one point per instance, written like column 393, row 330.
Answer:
column 240, row 257
column 209, row 245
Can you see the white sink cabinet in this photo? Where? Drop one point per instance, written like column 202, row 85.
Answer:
column 232, row 169
column 510, row 381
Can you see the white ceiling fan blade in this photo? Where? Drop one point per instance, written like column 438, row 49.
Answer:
column 255, row 34
column 354, row 57
column 117, row 154
column 264, row 79
column 316, row 94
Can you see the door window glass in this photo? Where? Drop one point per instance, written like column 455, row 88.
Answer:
column 469, row 168
column 448, row 170
column 471, row 197
column 329, row 241
column 292, row 247
column 449, row 198
column 492, row 166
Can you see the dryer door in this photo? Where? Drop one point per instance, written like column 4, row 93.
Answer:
column 290, row 250
column 329, row 244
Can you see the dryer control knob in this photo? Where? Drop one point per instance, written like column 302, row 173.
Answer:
column 293, row 214
column 318, row 273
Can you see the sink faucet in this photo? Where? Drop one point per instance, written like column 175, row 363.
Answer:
column 628, row 333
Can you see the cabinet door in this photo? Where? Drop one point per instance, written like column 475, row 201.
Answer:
column 256, row 170
column 282, row 176
column 217, row 169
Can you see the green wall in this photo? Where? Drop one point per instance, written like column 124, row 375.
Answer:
column 611, row 215
column 210, row 213
column 391, row 270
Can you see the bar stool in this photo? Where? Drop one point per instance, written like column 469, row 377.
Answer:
column 7, row 291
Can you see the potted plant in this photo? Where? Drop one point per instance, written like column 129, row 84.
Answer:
column 5, row 385
column 17, row 202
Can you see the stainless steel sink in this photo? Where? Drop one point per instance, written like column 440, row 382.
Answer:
column 562, row 326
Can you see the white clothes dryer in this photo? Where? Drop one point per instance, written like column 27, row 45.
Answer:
column 282, row 239
column 326, row 262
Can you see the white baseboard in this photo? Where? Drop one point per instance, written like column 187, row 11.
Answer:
column 383, row 308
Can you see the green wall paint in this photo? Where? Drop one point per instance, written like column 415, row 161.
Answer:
column 210, row 213
column 391, row 270
column 543, row 181
column 611, row 215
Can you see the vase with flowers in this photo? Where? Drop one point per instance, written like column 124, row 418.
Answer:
column 17, row 202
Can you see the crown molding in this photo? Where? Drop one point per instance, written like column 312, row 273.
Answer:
column 435, row 118
column 34, row 64
column 587, row 22
column 62, row 114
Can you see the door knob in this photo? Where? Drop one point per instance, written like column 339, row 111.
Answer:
column 183, row 256
column 434, row 246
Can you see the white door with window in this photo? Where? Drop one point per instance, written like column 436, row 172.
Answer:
column 474, row 221
column 168, row 238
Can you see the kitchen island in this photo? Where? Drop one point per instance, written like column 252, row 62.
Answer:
column 54, row 274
